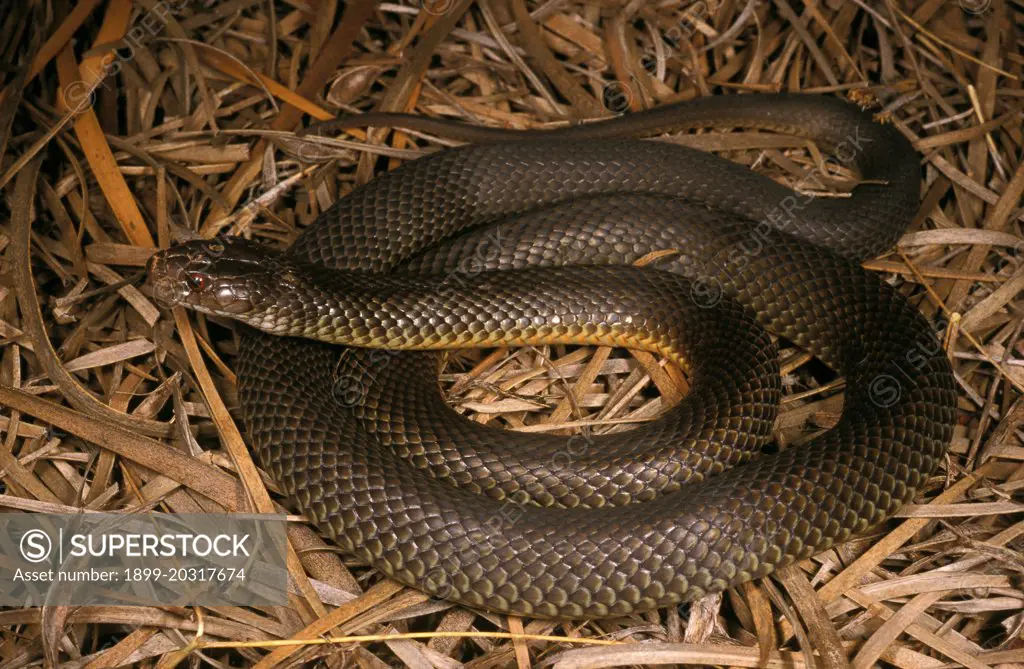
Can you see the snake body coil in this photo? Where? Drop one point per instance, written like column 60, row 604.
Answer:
column 365, row 445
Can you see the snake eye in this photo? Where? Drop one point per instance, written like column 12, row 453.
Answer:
column 196, row 280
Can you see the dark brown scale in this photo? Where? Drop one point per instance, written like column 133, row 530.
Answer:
column 363, row 443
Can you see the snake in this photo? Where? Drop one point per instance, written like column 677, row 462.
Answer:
column 602, row 233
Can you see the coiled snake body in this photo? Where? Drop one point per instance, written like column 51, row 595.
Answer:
column 525, row 242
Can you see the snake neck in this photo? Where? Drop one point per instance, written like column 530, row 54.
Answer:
column 641, row 309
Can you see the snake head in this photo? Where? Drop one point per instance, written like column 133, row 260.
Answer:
column 223, row 277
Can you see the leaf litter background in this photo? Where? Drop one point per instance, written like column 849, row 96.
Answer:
column 127, row 125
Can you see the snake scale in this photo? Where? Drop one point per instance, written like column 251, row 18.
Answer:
column 529, row 238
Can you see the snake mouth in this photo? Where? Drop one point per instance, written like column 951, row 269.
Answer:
column 165, row 278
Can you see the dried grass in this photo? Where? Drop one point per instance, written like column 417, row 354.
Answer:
column 113, row 404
